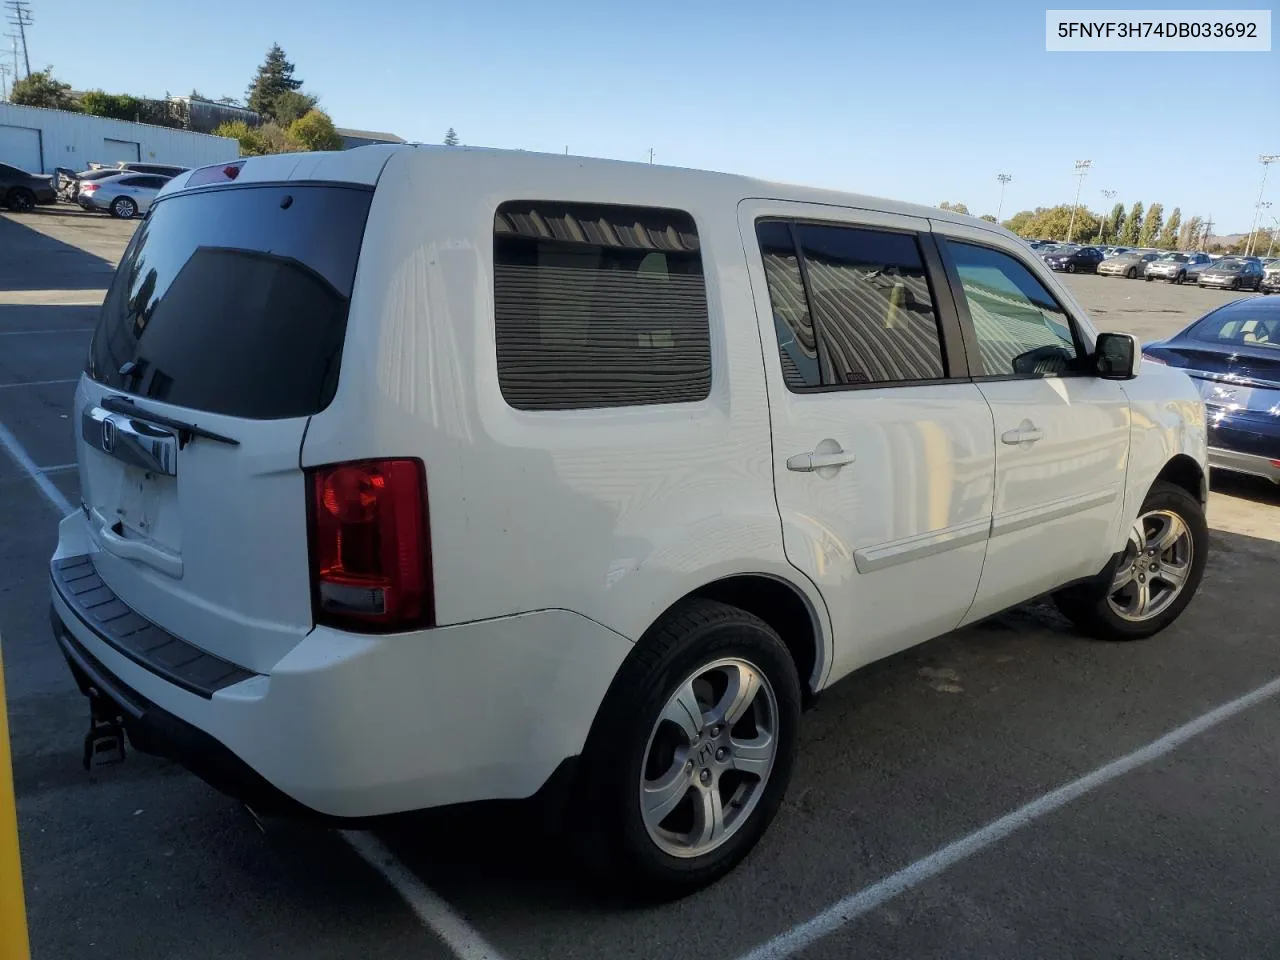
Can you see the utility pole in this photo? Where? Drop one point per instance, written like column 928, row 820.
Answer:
column 1266, row 159
column 1004, row 179
column 20, row 17
column 1082, row 170
column 1208, row 232
column 1262, row 205
column 4, row 81
column 651, row 156
column 1274, row 230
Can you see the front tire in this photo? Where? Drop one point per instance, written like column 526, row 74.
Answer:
column 1071, row 268
column 1156, row 576
column 691, row 753
column 1180, row 279
column 1132, row 274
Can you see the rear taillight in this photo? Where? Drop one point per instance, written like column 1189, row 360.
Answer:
column 88, row 187
column 370, row 545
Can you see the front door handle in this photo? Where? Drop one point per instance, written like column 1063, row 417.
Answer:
column 1027, row 432
column 809, row 462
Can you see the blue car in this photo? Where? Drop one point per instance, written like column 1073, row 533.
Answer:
column 1233, row 354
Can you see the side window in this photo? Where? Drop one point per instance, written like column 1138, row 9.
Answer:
column 797, row 344
column 872, row 306
column 598, row 306
column 132, row 181
column 1021, row 329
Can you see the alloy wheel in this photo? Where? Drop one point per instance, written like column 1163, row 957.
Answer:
column 709, row 757
column 125, row 208
column 1155, row 566
column 20, row 201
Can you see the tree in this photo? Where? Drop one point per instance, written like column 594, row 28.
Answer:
column 119, row 106
column 989, row 217
column 1189, row 235
column 1151, row 226
column 1109, row 228
column 315, row 132
column 1168, row 239
column 954, row 207
column 293, row 105
column 451, row 138
column 251, row 142
column 1132, row 225
column 42, row 89
column 1052, row 222
column 274, row 77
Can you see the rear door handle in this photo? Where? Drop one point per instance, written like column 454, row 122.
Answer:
column 809, row 462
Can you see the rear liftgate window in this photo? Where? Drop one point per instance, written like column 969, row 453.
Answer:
column 599, row 306
column 235, row 301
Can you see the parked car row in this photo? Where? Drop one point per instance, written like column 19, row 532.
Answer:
column 1225, row 272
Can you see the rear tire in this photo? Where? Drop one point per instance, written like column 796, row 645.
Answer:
column 124, row 208
column 1156, row 576
column 651, row 768
column 20, row 200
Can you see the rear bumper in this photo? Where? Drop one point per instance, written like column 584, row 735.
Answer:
column 360, row 726
column 1245, row 463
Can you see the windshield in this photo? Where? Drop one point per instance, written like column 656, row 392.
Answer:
column 235, row 301
column 1228, row 265
column 1175, row 257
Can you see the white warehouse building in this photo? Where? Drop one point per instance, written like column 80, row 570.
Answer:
column 38, row 140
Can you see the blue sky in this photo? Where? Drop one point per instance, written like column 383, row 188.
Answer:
column 923, row 101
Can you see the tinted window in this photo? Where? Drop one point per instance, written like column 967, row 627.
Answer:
column 871, row 305
column 1019, row 326
column 792, row 322
column 235, row 301
column 133, row 181
column 599, row 306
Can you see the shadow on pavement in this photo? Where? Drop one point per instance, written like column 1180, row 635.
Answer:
column 35, row 261
column 1246, row 487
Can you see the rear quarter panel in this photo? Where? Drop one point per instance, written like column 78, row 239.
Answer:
column 612, row 513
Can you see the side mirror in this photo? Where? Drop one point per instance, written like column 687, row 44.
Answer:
column 1116, row 356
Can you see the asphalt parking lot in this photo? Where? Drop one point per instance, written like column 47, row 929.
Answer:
column 1177, row 857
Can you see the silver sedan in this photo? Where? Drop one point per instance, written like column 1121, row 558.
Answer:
column 125, row 196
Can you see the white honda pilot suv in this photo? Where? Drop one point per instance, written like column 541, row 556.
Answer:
column 416, row 476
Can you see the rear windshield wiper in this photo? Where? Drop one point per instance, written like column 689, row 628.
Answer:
column 185, row 430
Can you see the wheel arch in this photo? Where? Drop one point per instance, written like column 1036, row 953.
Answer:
column 784, row 607
column 1183, row 471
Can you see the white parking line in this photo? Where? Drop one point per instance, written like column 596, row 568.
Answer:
column 23, row 459
column 27, row 333
column 864, row 901
column 36, row 383
column 463, row 939
column 438, row 916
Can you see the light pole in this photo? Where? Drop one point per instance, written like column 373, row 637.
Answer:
column 1274, row 231
column 1107, row 195
column 1004, row 179
column 1082, row 170
column 1266, row 159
